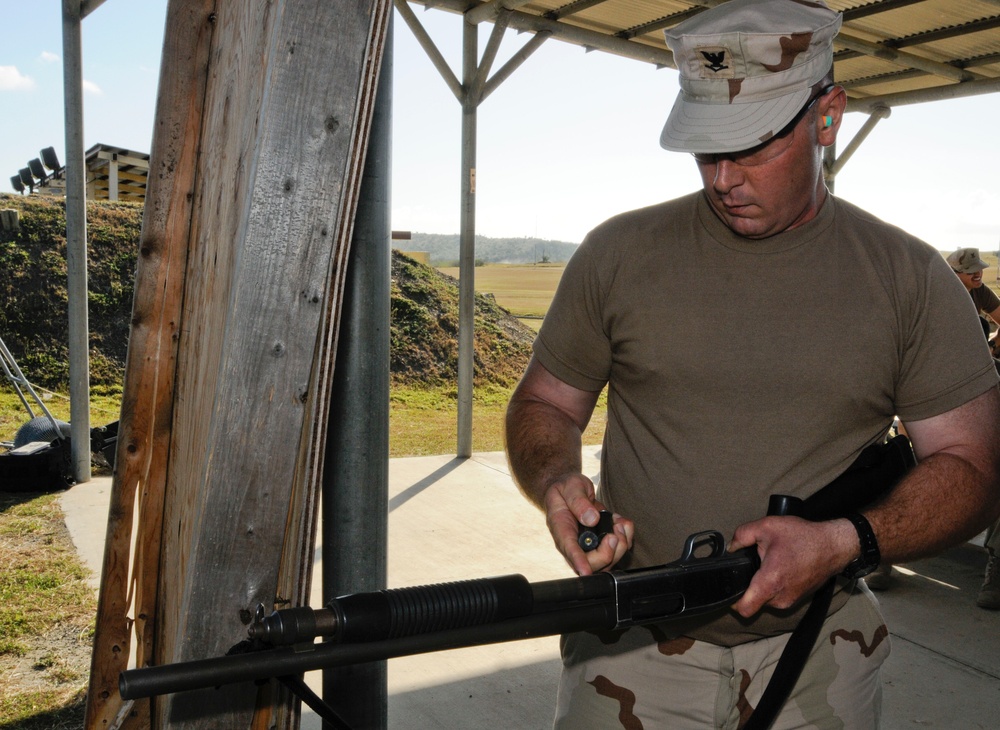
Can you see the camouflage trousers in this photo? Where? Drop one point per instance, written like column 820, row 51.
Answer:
column 644, row 681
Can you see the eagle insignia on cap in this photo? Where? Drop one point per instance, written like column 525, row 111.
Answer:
column 712, row 62
column 716, row 60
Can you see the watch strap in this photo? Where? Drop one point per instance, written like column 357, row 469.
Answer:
column 870, row 554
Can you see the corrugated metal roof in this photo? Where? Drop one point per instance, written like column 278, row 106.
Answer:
column 889, row 52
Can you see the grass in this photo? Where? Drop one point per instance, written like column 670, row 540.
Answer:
column 424, row 421
column 525, row 290
column 47, row 610
column 104, row 409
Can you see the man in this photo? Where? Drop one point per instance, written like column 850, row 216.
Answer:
column 968, row 266
column 840, row 322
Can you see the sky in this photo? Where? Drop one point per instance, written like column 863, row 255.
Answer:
column 570, row 139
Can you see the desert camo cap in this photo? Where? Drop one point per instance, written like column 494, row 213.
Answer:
column 966, row 261
column 746, row 69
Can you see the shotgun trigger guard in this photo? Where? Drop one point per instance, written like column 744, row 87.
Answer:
column 697, row 540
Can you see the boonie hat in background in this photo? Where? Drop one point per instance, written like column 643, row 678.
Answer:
column 966, row 261
column 747, row 67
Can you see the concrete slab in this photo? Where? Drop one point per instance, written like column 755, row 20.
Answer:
column 944, row 669
column 85, row 507
column 449, row 520
column 453, row 519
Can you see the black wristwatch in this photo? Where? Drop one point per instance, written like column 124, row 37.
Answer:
column 870, row 555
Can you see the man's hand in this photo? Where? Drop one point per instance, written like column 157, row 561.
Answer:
column 796, row 558
column 570, row 502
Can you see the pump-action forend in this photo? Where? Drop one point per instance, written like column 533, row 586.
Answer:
column 363, row 627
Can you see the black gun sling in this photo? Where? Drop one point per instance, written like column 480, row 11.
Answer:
column 873, row 475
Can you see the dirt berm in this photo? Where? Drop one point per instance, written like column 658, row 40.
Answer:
column 33, row 305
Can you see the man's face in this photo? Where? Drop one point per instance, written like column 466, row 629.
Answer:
column 757, row 201
column 971, row 281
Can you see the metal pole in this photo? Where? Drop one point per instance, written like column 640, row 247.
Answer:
column 467, row 242
column 76, row 242
column 356, row 471
column 877, row 114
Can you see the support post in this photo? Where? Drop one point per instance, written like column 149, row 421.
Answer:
column 467, row 241
column 76, row 242
column 356, row 469
column 877, row 114
column 113, row 178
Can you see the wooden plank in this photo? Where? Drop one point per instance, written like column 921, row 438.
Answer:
column 227, row 385
column 147, row 397
column 297, row 558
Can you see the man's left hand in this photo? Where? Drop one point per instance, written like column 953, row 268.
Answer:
column 796, row 558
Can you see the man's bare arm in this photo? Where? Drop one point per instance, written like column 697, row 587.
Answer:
column 951, row 495
column 544, row 428
column 954, row 492
column 546, row 419
column 994, row 315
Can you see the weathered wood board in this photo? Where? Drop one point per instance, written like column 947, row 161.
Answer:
column 261, row 129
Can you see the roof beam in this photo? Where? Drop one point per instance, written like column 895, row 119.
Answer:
column 430, row 49
column 89, row 6
column 490, row 11
column 876, row 115
column 489, row 56
column 937, row 93
column 877, row 8
column 668, row 21
column 962, row 81
column 901, row 58
column 943, row 34
column 570, row 33
column 513, row 63
column 572, row 9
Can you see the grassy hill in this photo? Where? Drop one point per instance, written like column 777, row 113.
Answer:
column 423, row 344
column 33, row 305
column 33, row 297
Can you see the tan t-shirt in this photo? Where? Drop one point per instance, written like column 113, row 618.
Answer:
column 741, row 368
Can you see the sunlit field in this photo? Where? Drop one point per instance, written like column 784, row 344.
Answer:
column 524, row 289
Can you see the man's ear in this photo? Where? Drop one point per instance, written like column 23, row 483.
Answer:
column 830, row 114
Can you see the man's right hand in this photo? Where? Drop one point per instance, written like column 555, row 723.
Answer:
column 570, row 502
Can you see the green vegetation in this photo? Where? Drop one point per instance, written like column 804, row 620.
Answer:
column 424, row 421
column 47, row 610
column 34, row 311
column 104, row 409
column 524, row 290
column 423, row 347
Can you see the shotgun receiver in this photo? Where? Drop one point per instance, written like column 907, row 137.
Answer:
column 363, row 627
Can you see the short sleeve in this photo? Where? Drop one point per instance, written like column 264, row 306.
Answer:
column 573, row 343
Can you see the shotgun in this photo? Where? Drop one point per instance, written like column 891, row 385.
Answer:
column 371, row 626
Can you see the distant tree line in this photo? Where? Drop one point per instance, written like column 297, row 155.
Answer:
column 444, row 249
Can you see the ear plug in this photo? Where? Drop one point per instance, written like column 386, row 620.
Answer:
column 827, row 121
